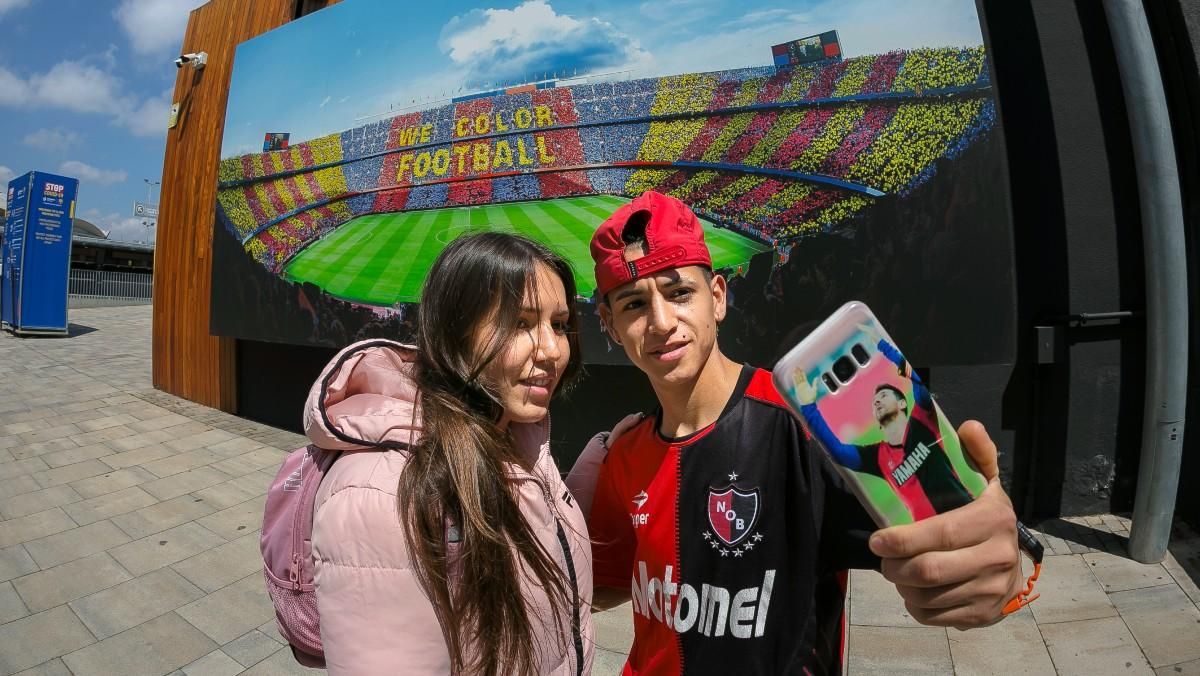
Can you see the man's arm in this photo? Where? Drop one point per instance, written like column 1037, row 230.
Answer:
column 958, row 569
column 845, row 454
column 920, row 393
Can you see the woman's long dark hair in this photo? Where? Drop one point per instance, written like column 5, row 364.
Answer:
column 457, row 472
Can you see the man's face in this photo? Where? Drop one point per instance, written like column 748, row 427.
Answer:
column 886, row 406
column 667, row 323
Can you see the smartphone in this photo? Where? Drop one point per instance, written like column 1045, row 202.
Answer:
column 862, row 402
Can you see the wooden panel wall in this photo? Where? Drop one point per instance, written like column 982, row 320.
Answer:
column 188, row 362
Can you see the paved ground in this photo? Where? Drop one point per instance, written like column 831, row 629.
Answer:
column 129, row 544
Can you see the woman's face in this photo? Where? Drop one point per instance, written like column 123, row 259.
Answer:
column 527, row 370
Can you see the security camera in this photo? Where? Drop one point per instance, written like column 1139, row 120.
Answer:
column 196, row 59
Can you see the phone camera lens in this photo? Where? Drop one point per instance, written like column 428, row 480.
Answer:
column 860, row 354
column 830, row 382
column 844, row 369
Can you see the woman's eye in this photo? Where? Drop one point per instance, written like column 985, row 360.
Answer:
column 522, row 325
column 560, row 327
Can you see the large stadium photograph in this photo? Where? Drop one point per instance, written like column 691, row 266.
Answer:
column 789, row 142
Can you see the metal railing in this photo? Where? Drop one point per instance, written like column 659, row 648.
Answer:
column 104, row 284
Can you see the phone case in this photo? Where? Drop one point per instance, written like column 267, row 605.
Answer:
column 879, row 424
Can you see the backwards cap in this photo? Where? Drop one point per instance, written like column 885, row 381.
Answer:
column 674, row 239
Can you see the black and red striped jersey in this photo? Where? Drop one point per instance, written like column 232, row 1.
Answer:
column 735, row 541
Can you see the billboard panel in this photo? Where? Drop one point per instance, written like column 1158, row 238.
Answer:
column 878, row 177
column 38, row 243
column 807, row 50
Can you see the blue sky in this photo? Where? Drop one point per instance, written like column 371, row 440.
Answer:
column 85, row 85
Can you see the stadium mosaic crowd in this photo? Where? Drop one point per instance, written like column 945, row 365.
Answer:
column 881, row 122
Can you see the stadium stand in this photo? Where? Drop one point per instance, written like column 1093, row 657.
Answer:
column 774, row 154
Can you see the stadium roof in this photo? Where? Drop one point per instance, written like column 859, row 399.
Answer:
column 85, row 232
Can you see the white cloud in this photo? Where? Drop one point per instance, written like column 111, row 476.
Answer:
column 13, row 90
column 154, row 26
column 6, row 175
column 79, row 87
column 51, row 140
column 86, row 173
column 120, row 227
column 149, row 118
column 511, row 44
column 83, row 88
column 327, row 99
column 7, row 6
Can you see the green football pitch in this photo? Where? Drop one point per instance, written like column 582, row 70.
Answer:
column 382, row 259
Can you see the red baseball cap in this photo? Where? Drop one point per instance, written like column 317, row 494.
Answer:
column 674, row 239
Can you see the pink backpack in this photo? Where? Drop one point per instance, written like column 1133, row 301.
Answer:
column 287, row 550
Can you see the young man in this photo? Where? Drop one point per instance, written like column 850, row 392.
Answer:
column 910, row 457
column 730, row 533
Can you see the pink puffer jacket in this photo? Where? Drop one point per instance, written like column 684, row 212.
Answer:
column 375, row 617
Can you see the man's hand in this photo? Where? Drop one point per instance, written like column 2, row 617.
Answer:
column 805, row 392
column 960, row 568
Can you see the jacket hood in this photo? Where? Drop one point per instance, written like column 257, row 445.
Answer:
column 366, row 398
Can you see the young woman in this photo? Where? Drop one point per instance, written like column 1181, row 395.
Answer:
column 444, row 538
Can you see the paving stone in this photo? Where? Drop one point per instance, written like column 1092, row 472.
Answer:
column 105, row 422
column 1102, row 646
column 608, row 662
column 42, row 448
column 215, row 663
column 283, row 664
column 34, row 526
column 227, row 614
column 140, row 440
column 181, row 462
column 1181, row 576
column 137, row 456
column 234, row 447
column 74, row 544
column 15, row 562
column 898, row 650
column 37, row 501
column 110, row 505
column 1164, row 621
column 200, row 440
column 104, row 435
column 58, row 585
column 875, row 602
column 234, row 492
column 18, row 485
column 1185, row 669
column 113, row 480
column 614, row 628
column 11, row 606
column 54, row 667
column 185, row 482
column 32, row 640
column 224, row 565
column 48, row 433
column 124, row 606
column 250, row 648
column 1116, row 573
column 1069, row 592
column 271, row 629
column 161, row 422
column 161, row 516
column 237, row 520
column 251, row 461
column 151, row 649
column 1015, row 643
column 21, row 467
column 163, row 549
column 69, row 473
column 77, row 454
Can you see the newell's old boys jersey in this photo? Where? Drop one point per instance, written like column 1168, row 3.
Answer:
column 734, row 541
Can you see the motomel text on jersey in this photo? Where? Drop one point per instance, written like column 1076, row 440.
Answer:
column 710, row 610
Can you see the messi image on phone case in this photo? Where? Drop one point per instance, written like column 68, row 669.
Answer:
column 860, row 399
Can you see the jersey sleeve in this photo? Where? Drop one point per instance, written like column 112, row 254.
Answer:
column 846, row 455
column 613, row 539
